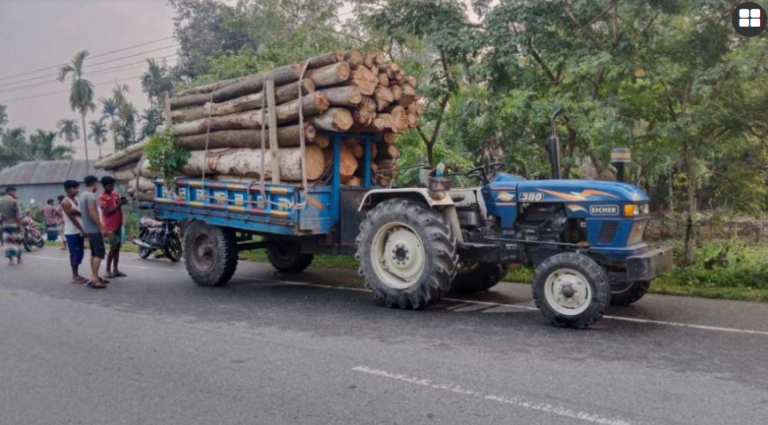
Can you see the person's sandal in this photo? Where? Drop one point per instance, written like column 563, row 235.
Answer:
column 92, row 285
column 119, row 274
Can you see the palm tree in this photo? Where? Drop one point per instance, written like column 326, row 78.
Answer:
column 155, row 81
column 109, row 109
column 43, row 144
column 126, row 125
column 150, row 119
column 81, row 91
column 69, row 130
column 98, row 134
column 3, row 116
column 118, row 93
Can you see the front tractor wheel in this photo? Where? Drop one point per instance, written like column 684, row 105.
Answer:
column 210, row 253
column 406, row 253
column 478, row 277
column 571, row 290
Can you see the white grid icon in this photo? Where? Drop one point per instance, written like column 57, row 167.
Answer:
column 749, row 18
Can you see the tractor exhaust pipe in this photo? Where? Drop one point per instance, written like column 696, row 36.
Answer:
column 554, row 146
column 619, row 157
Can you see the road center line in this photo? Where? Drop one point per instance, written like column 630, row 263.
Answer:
column 488, row 303
column 513, row 401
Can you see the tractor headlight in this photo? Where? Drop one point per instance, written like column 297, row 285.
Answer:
column 633, row 210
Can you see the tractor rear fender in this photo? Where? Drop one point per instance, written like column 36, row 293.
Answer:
column 442, row 203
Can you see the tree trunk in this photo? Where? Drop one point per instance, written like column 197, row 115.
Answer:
column 118, row 159
column 313, row 103
column 690, row 232
column 330, row 75
column 283, row 94
column 363, row 78
column 334, row 119
column 384, row 97
column 365, row 112
column 354, row 58
column 247, row 163
column 209, row 87
column 85, row 144
column 343, row 96
column 286, row 137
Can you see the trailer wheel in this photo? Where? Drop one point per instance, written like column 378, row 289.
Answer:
column 478, row 277
column 406, row 253
column 571, row 290
column 210, row 253
column 629, row 293
column 286, row 256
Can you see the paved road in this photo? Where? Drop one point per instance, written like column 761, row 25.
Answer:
column 313, row 349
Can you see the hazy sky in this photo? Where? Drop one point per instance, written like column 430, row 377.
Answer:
column 38, row 34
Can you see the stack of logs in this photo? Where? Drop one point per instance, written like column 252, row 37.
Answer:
column 351, row 92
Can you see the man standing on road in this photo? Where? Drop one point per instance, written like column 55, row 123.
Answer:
column 73, row 229
column 60, row 223
column 112, row 209
column 94, row 230
column 49, row 214
column 10, row 217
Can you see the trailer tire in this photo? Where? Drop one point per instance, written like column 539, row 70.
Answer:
column 571, row 290
column 480, row 277
column 210, row 253
column 630, row 295
column 286, row 256
column 415, row 254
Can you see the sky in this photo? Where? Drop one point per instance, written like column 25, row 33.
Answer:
column 44, row 33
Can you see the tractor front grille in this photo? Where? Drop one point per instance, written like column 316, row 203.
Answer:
column 608, row 231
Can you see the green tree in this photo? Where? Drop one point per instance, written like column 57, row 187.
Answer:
column 150, row 119
column 126, row 125
column 109, row 110
column 98, row 134
column 81, row 91
column 155, row 81
column 69, row 130
column 43, row 147
column 14, row 147
column 3, row 116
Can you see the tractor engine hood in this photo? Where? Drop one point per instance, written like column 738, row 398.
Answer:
column 577, row 191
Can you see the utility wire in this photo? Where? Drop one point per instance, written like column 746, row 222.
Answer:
column 66, row 91
column 95, row 72
column 92, row 57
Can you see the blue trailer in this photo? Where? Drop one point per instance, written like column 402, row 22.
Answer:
column 585, row 238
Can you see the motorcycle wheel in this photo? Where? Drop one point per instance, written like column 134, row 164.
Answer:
column 172, row 248
column 25, row 242
column 144, row 252
column 40, row 243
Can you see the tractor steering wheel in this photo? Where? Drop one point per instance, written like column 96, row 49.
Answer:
column 484, row 172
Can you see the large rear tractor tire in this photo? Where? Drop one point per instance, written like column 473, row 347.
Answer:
column 406, row 253
column 286, row 256
column 630, row 293
column 478, row 277
column 571, row 290
column 210, row 253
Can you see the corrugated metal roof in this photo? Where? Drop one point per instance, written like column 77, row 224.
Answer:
column 46, row 172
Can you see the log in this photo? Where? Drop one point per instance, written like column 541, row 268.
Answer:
column 148, row 196
column 383, row 80
column 321, row 140
column 343, row 96
column 379, row 58
column 144, row 184
column 411, row 80
column 313, row 103
column 348, row 164
column 388, row 152
column 365, row 80
column 365, row 112
column 399, row 119
column 379, row 125
column 209, row 87
column 390, row 138
column 288, row 136
column 392, row 70
column 397, row 93
column 121, row 161
column 334, row 119
column 354, row 58
column 354, row 181
column 110, row 160
column 124, row 175
column 413, row 120
column 330, row 75
column 247, row 163
column 250, row 102
column 374, row 150
column 324, row 60
column 355, row 146
column 368, row 60
column 384, row 97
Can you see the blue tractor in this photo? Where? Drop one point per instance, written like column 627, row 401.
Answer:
column 585, row 238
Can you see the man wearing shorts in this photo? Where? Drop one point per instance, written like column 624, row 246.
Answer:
column 94, row 230
column 60, row 223
column 73, row 229
column 112, row 210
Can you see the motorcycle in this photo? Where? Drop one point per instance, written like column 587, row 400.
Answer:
column 163, row 235
column 32, row 236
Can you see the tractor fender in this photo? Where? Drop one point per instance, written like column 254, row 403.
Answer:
column 442, row 202
column 376, row 196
